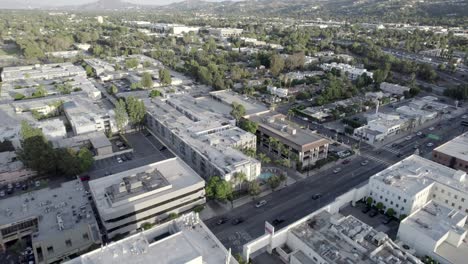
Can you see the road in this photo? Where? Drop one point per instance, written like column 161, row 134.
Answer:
column 292, row 202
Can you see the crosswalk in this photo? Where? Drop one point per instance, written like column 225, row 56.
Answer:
column 376, row 159
column 390, row 149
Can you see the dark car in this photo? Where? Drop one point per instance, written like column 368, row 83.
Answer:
column 85, row 178
column 163, row 148
column 129, row 156
column 221, row 221
column 366, row 209
column 346, row 161
column 316, row 196
column 277, row 221
column 387, row 220
column 237, row 221
column 373, row 213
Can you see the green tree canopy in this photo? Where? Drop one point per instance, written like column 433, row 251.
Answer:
column 136, row 110
column 238, row 111
column 165, row 76
column 147, row 80
column 249, row 126
column 121, row 116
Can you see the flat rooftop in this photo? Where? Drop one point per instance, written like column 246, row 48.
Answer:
column 182, row 240
column 252, row 107
column 415, row 173
column 341, row 240
column 69, row 201
column 126, row 189
column 457, row 147
column 278, row 125
column 435, row 220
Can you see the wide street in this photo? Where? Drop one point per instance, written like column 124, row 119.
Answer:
column 292, row 202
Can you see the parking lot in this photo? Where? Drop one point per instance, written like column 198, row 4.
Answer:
column 146, row 149
column 377, row 222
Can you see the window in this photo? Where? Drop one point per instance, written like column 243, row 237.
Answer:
column 446, row 201
column 50, row 250
column 391, row 202
column 402, row 208
column 433, row 196
column 462, row 199
column 397, row 205
column 386, row 199
column 404, row 200
column 442, row 190
column 381, row 197
column 68, row 243
column 399, row 197
column 85, row 236
column 453, row 204
column 455, row 196
column 459, row 207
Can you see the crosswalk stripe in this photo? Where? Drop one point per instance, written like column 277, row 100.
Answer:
column 376, row 159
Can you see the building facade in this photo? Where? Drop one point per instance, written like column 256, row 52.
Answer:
column 453, row 154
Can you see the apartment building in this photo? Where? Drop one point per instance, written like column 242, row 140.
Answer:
column 352, row 72
column 409, row 184
column 44, row 71
column 437, row 231
column 454, row 153
column 226, row 32
column 202, row 132
column 379, row 126
column 147, row 194
column 59, row 221
column 287, row 140
column 183, row 240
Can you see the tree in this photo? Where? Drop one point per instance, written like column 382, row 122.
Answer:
column 121, row 116
column 379, row 206
column 274, row 182
column 254, row 188
column 146, row 225
column 218, row 189
column 131, row 63
column 249, row 126
column 390, row 212
column 369, row 201
column 402, row 217
column 136, row 111
column 263, row 158
column 239, row 178
column 89, row 71
column 154, row 93
column 147, row 80
column 85, row 158
column 276, row 65
column 165, row 76
column 237, row 111
column 113, row 89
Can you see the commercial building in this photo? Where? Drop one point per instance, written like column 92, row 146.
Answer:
column 352, row 72
column 228, row 97
column 183, row 240
column 409, row 184
column 45, row 71
column 379, row 126
column 147, row 194
column 280, row 92
column 393, row 89
column 289, row 141
column 202, row 132
column 59, row 221
column 436, row 231
column 453, row 154
column 226, row 32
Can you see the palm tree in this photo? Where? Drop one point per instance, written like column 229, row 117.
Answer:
column 263, row 158
column 290, row 113
column 273, row 143
column 239, row 178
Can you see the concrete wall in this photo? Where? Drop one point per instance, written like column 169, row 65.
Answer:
column 280, row 237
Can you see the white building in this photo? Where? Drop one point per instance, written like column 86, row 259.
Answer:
column 59, row 221
column 436, row 231
column 226, row 32
column 45, row 71
column 409, row 184
column 150, row 193
column 352, row 72
column 380, row 126
column 53, row 128
column 178, row 30
column 394, row 89
column 280, row 92
column 183, row 240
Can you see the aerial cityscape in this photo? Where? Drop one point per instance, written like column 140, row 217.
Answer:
column 234, row 132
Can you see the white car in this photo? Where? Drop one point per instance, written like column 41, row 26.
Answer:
column 260, row 203
column 464, row 116
column 305, row 119
column 2, row 193
column 364, row 163
column 430, row 144
column 408, row 138
column 431, row 128
column 336, row 170
column 419, row 133
column 119, row 160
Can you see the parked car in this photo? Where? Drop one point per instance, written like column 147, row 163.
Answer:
column 85, row 178
column 419, row 134
column 277, row 221
column 366, row 209
column 373, row 213
column 431, row 128
column 336, row 170
column 430, row 144
column 119, row 160
column 123, row 158
column 2, row 193
column 260, row 203
column 346, row 161
column 221, row 221
column 364, row 163
column 316, row 196
column 163, row 148
column 387, row 220
column 38, row 184
column 237, row 221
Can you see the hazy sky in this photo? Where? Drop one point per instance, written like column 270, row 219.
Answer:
column 36, row 3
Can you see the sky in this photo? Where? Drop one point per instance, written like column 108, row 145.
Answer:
column 38, row 3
